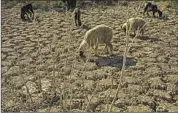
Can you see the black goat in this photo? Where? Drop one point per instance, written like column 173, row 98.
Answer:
column 152, row 7
column 25, row 10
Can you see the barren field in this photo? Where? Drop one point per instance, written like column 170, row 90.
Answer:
column 41, row 70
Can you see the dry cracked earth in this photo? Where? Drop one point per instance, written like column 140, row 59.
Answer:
column 41, row 70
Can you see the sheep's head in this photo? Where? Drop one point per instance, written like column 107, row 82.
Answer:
column 82, row 48
column 124, row 27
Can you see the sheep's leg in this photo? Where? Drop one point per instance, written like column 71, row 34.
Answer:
column 91, row 49
column 134, row 33
column 142, row 31
column 106, row 49
column 110, row 48
column 95, row 49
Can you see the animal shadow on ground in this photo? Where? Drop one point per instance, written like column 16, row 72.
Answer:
column 152, row 39
column 113, row 61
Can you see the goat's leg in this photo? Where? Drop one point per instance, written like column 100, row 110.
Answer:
column 29, row 18
column 145, row 9
column 78, row 19
column 31, row 14
column 154, row 13
column 23, row 17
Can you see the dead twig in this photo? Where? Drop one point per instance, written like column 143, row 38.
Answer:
column 124, row 60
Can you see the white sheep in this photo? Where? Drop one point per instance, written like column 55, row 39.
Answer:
column 134, row 24
column 101, row 34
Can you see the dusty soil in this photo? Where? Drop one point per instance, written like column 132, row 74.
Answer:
column 41, row 70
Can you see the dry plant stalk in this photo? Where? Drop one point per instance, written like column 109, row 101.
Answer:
column 89, row 103
column 70, row 91
column 11, row 86
column 83, row 86
column 39, row 76
column 89, row 100
column 124, row 59
column 108, row 96
column 70, row 37
column 24, row 82
column 53, row 79
column 61, row 94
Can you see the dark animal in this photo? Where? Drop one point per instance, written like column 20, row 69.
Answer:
column 25, row 10
column 71, row 4
column 152, row 7
column 76, row 16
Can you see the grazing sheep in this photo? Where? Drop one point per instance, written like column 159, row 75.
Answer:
column 25, row 10
column 133, row 24
column 76, row 16
column 152, row 7
column 95, row 36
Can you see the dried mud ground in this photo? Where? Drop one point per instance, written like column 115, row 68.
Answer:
column 42, row 72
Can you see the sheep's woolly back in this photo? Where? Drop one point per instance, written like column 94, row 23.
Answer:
column 133, row 24
column 97, row 35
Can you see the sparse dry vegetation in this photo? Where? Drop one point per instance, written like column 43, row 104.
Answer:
column 42, row 72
